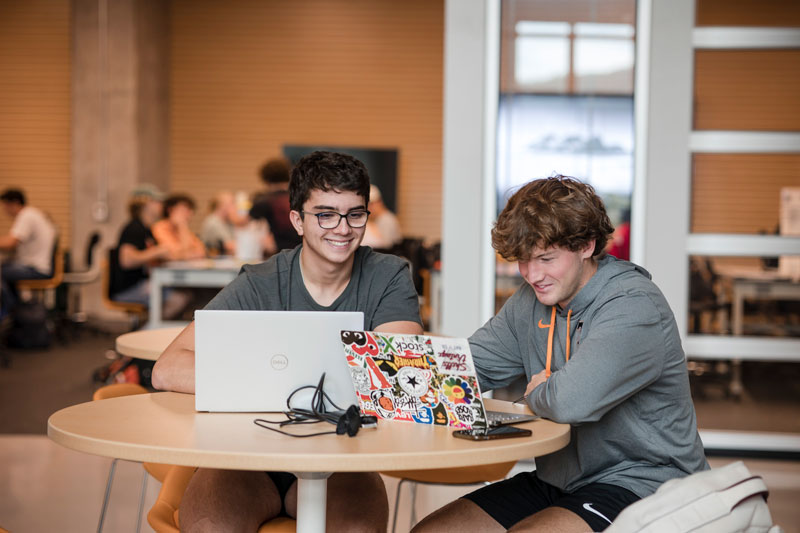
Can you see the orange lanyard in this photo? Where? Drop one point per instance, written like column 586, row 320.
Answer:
column 552, row 327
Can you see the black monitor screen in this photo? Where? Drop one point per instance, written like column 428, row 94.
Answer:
column 381, row 165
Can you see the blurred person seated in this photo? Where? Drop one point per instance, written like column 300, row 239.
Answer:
column 137, row 250
column 30, row 242
column 218, row 230
column 273, row 204
column 620, row 243
column 383, row 228
column 173, row 231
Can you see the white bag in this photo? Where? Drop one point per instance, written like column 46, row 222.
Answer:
column 721, row 500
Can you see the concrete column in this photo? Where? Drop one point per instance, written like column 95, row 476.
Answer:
column 119, row 116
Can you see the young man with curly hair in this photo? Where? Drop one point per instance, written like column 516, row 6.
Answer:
column 330, row 271
column 599, row 346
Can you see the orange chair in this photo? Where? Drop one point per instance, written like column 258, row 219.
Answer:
column 47, row 283
column 157, row 470
column 469, row 475
column 137, row 313
column 163, row 516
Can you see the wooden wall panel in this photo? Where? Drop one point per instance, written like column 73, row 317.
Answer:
column 739, row 193
column 249, row 76
column 35, row 105
column 747, row 90
column 748, row 13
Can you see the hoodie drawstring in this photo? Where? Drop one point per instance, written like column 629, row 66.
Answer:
column 552, row 327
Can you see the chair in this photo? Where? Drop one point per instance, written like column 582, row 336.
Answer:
column 45, row 284
column 44, row 289
column 469, row 475
column 163, row 516
column 136, row 312
column 706, row 295
column 73, row 280
column 157, row 470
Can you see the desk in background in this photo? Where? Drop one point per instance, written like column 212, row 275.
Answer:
column 764, row 286
column 216, row 272
column 146, row 343
column 748, row 282
column 165, row 428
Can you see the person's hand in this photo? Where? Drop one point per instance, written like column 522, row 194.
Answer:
column 159, row 253
column 536, row 380
column 162, row 251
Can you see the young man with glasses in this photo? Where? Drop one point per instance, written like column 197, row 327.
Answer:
column 599, row 347
column 329, row 271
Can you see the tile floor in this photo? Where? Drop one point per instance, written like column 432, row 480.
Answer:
column 45, row 487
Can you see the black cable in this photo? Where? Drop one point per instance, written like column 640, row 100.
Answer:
column 260, row 423
column 297, row 416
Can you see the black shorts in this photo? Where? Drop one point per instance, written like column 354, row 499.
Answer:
column 283, row 481
column 523, row 495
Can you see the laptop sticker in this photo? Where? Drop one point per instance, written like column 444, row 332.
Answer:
column 415, row 378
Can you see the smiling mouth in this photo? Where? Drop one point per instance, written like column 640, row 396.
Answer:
column 338, row 244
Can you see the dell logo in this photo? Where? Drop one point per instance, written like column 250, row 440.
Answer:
column 279, row 361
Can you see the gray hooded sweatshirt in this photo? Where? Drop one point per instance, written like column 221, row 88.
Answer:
column 624, row 390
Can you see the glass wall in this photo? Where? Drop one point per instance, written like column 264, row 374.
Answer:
column 743, row 183
column 566, row 103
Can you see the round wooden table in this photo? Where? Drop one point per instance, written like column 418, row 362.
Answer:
column 146, row 343
column 165, row 428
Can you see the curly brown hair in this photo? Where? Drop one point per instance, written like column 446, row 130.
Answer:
column 558, row 211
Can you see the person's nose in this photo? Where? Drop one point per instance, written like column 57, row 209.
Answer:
column 343, row 228
column 529, row 272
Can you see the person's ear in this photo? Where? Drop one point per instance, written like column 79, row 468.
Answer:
column 588, row 250
column 297, row 221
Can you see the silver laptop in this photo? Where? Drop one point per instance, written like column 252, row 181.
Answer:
column 251, row 361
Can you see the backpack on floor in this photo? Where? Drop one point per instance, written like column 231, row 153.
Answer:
column 30, row 326
column 720, row 500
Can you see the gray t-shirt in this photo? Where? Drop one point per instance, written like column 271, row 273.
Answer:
column 380, row 286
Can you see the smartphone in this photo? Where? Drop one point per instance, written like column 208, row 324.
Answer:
column 498, row 432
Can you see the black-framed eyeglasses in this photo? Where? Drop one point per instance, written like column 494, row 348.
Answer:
column 332, row 219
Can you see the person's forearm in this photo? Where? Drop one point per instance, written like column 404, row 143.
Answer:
column 401, row 326
column 175, row 372
column 130, row 257
column 190, row 247
column 7, row 242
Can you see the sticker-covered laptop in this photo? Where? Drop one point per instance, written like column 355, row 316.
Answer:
column 415, row 378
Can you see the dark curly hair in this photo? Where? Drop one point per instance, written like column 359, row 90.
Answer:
column 275, row 171
column 13, row 196
column 558, row 211
column 175, row 199
column 327, row 171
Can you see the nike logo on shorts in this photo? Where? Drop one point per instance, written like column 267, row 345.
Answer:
column 588, row 507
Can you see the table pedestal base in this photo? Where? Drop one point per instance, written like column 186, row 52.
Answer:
column 312, row 498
